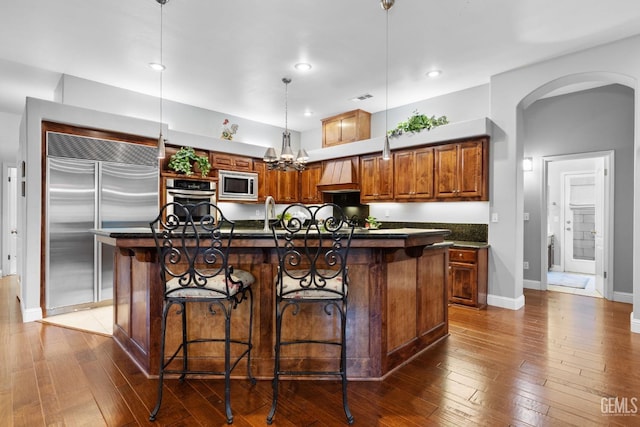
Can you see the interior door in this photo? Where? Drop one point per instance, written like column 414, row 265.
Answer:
column 601, row 212
column 13, row 220
column 579, row 222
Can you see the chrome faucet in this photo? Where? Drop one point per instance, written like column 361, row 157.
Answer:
column 269, row 204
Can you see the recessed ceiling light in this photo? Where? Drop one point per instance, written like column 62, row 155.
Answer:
column 156, row 66
column 434, row 73
column 308, row 113
column 302, row 66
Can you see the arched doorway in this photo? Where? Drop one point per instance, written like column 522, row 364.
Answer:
column 583, row 119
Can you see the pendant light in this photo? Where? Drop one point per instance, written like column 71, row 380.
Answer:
column 286, row 160
column 160, row 67
column 386, row 148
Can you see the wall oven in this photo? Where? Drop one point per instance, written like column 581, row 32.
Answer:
column 238, row 186
column 191, row 192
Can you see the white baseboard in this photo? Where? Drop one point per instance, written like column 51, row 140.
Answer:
column 31, row 314
column 531, row 284
column 504, row 302
column 635, row 325
column 626, row 297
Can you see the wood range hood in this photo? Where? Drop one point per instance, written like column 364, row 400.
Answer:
column 340, row 176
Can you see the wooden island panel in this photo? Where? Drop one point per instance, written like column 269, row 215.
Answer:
column 397, row 307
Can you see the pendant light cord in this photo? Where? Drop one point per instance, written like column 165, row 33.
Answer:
column 386, row 61
column 161, row 60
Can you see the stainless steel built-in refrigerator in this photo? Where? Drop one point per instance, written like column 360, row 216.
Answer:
column 91, row 183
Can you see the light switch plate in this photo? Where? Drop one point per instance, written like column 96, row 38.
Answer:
column 494, row 217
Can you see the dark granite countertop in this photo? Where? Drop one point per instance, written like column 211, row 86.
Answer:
column 359, row 233
column 464, row 244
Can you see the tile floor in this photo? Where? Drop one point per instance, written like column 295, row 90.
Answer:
column 589, row 290
column 98, row 320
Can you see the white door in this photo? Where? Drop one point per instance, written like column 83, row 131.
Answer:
column 579, row 222
column 601, row 219
column 13, row 220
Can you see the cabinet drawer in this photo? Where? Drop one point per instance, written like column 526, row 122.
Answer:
column 463, row 255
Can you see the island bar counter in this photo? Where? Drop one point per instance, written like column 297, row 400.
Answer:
column 397, row 302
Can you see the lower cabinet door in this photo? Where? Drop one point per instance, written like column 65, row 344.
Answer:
column 463, row 279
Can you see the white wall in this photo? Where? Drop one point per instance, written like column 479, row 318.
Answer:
column 461, row 106
column 30, row 207
column 587, row 121
column 510, row 93
column 179, row 117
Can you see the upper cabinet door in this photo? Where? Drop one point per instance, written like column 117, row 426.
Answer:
column 309, row 179
column 376, row 179
column 413, row 174
column 347, row 127
column 470, row 175
column 446, row 171
column 461, row 170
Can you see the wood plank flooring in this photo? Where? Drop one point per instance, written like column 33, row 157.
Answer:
column 549, row 364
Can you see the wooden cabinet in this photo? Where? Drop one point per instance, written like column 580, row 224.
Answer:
column 413, row 174
column 309, row 179
column 376, row 179
column 347, row 127
column 260, row 168
column 468, row 276
column 230, row 162
column 283, row 186
column 461, row 170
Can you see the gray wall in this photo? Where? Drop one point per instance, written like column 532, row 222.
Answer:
column 593, row 120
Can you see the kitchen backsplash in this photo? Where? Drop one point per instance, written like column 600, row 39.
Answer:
column 459, row 232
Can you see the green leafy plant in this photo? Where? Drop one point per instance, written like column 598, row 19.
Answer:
column 183, row 159
column 203, row 164
column 287, row 216
column 372, row 222
column 418, row 122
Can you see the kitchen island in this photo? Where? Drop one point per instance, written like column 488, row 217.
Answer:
column 397, row 301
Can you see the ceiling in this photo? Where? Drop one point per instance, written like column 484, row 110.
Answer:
column 231, row 56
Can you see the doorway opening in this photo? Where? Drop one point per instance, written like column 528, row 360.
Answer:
column 578, row 224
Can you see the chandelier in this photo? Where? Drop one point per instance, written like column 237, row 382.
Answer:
column 286, row 161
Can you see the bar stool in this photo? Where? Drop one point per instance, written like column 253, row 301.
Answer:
column 193, row 243
column 312, row 252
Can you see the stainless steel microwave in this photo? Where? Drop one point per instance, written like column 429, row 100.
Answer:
column 237, row 186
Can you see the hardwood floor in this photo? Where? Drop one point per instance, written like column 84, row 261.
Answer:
column 551, row 363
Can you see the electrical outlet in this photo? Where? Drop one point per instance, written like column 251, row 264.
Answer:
column 525, row 265
column 386, row 213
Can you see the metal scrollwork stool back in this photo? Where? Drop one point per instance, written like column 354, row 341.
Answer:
column 193, row 255
column 312, row 250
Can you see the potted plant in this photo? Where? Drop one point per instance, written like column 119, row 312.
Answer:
column 418, row 122
column 372, row 223
column 202, row 163
column 286, row 219
column 185, row 157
